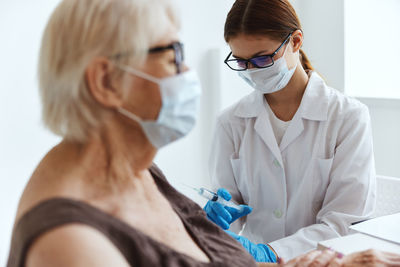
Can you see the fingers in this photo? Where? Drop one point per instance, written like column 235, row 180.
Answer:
column 246, row 210
column 221, row 211
column 323, row 259
column 372, row 258
column 213, row 216
column 335, row 262
column 316, row 258
column 326, row 258
column 227, row 196
column 391, row 258
column 307, row 259
column 237, row 214
column 224, row 193
column 301, row 260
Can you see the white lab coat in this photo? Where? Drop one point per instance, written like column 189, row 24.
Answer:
column 310, row 188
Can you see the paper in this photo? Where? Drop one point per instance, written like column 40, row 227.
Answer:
column 385, row 227
column 358, row 242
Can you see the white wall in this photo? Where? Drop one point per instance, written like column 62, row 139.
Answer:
column 23, row 141
column 385, row 121
column 372, row 49
column 323, row 26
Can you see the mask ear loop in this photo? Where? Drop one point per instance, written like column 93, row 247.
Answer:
column 130, row 115
column 284, row 53
column 139, row 74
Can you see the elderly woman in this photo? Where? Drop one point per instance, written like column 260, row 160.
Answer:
column 114, row 86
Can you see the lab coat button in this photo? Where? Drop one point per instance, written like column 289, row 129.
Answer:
column 276, row 162
column 278, row 214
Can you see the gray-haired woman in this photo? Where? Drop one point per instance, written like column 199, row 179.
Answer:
column 114, row 86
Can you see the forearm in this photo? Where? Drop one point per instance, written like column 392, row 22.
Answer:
column 302, row 241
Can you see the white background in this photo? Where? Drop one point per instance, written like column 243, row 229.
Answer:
column 372, row 41
column 24, row 141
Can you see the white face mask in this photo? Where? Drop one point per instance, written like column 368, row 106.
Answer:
column 180, row 96
column 271, row 79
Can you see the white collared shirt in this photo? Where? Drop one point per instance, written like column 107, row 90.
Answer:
column 310, row 187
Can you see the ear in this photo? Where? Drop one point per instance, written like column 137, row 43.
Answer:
column 297, row 40
column 99, row 82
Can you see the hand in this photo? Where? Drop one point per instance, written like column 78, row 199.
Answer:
column 260, row 252
column 222, row 215
column 372, row 258
column 315, row 258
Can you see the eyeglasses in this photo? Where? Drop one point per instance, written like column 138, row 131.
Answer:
column 259, row 62
column 176, row 46
column 179, row 55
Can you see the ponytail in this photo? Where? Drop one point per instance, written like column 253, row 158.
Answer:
column 305, row 62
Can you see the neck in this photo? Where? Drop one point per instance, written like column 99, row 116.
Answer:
column 116, row 155
column 293, row 92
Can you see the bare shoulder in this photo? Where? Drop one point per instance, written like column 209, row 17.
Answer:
column 50, row 179
column 74, row 245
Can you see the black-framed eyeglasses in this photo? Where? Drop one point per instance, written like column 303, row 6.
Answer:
column 260, row 62
column 176, row 46
column 178, row 50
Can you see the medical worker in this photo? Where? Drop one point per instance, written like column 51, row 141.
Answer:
column 296, row 151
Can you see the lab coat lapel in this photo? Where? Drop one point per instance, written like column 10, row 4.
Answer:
column 295, row 128
column 263, row 128
column 313, row 106
column 254, row 106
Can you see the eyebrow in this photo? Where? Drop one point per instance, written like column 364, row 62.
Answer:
column 255, row 55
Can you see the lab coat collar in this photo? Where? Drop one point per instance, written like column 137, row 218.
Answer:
column 314, row 105
column 251, row 105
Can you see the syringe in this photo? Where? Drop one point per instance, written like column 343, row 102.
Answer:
column 210, row 195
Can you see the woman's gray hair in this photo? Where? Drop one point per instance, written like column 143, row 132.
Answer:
column 77, row 32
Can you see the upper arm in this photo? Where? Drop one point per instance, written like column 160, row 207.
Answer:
column 351, row 192
column 355, row 132
column 73, row 245
column 354, row 158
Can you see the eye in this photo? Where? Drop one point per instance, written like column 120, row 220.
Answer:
column 262, row 61
column 241, row 63
column 171, row 57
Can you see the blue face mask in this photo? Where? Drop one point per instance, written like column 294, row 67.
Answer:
column 180, row 96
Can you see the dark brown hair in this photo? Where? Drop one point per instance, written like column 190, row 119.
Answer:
column 274, row 18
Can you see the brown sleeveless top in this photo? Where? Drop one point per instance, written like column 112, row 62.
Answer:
column 138, row 248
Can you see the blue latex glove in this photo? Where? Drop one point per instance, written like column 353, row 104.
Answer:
column 222, row 215
column 260, row 252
